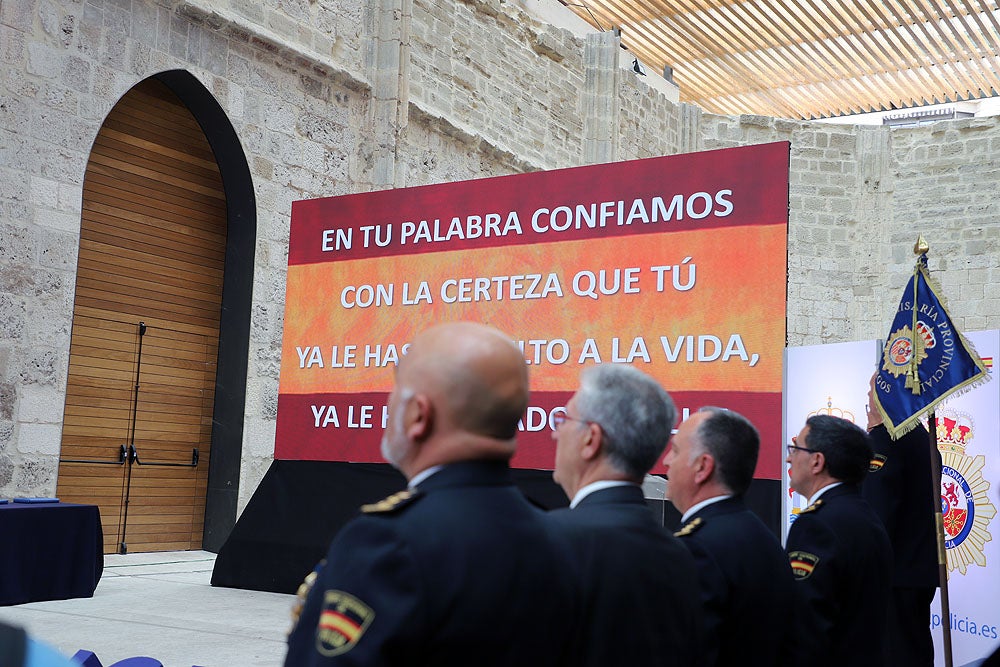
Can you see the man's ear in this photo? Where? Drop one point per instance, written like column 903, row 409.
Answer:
column 419, row 418
column 818, row 463
column 592, row 442
column 703, row 468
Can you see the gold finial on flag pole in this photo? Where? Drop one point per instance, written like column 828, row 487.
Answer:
column 921, row 247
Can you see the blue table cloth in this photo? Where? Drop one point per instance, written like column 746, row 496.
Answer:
column 49, row 551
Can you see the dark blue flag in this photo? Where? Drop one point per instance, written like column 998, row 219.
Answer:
column 925, row 360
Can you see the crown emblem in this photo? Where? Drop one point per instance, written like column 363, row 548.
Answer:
column 954, row 431
column 832, row 411
column 926, row 333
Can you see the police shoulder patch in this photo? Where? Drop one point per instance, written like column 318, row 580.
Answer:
column 812, row 508
column 690, row 527
column 803, row 563
column 877, row 462
column 392, row 503
column 342, row 621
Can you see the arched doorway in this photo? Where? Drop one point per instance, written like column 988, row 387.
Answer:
column 142, row 423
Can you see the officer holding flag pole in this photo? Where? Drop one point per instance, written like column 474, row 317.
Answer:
column 897, row 489
column 925, row 361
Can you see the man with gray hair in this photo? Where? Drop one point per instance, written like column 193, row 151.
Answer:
column 638, row 582
column 746, row 584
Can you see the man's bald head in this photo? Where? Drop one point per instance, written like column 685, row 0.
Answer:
column 474, row 374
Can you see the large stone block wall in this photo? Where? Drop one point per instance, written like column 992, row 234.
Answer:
column 495, row 72
column 331, row 98
column 299, row 116
column 947, row 177
column 858, row 198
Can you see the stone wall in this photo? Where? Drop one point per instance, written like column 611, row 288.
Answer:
column 947, row 177
column 489, row 68
column 330, row 98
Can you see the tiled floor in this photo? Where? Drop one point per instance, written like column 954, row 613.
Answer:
column 163, row 606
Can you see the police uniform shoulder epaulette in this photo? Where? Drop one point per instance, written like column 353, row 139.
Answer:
column 812, row 508
column 690, row 527
column 394, row 502
column 303, row 592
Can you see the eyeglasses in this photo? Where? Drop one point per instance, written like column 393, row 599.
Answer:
column 790, row 448
column 557, row 419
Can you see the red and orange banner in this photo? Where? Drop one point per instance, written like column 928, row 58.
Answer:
column 675, row 265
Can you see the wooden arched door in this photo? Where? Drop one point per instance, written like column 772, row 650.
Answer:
column 139, row 401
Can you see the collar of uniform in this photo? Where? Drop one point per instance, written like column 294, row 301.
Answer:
column 819, row 493
column 469, row 473
column 597, row 486
column 697, row 507
column 422, row 475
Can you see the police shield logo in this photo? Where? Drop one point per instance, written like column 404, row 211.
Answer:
column 803, row 563
column 342, row 621
column 966, row 510
column 957, row 506
column 900, row 349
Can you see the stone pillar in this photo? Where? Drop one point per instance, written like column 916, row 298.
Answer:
column 690, row 133
column 388, row 63
column 872, row 237
column 600, row 97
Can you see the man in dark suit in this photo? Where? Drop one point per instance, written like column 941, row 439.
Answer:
column 640, row 602
column 901, row 489
column 459, row 569
column 746, row 585
column 838, row 549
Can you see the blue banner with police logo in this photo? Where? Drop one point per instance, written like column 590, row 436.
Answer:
column 925, row 359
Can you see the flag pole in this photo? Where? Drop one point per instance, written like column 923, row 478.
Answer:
column 921, row 248
column 941, row 552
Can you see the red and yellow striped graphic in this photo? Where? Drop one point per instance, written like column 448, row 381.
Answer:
column 803, row 563
column 342, row 621
column 331, row 620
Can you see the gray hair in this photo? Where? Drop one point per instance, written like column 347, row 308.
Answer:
column 635, row 413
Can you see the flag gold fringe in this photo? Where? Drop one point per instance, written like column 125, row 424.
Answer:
column 981, row 378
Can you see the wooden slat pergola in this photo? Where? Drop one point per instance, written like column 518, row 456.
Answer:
column 811, row 58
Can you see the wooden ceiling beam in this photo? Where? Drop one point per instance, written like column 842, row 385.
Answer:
column 834, row 68
column 982, row 8
column 847, row 64
column 744, row 77
column 963, row 56
column 802, row 64
column 812, row 58
column 914, row 43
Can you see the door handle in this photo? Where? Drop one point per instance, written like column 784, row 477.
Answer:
column 122, row 455
column 134, row 456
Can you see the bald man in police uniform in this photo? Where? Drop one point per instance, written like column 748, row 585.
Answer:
column 641, row 603
column 745, row 581
column 838, row 550
column 459, row 569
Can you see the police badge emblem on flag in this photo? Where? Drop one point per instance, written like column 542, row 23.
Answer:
column 925, row 360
